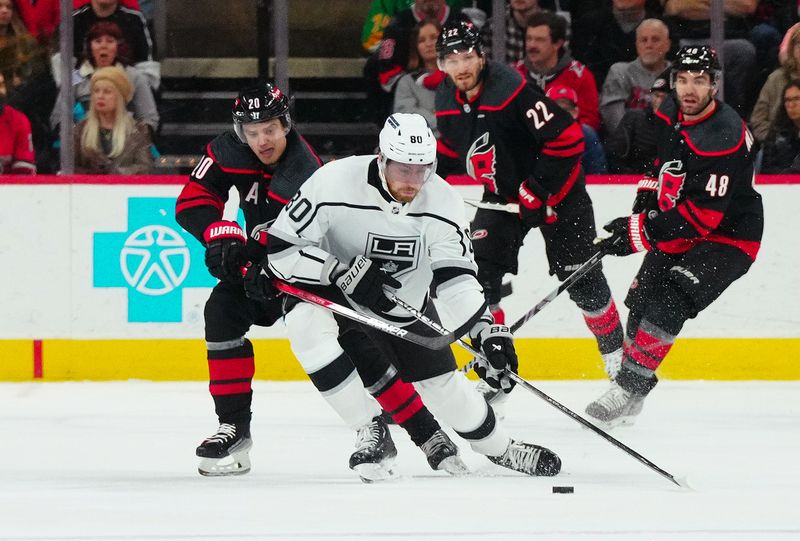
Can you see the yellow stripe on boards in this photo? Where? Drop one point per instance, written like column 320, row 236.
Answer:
column 16, row 360
column 540, row 358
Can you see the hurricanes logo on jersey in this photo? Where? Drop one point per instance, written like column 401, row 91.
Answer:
column 481, row 161
column 394, row 255
column 671, row 178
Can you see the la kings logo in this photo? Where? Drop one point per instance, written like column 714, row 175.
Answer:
column 481, row 161
column 394, row 255
column 671, row 178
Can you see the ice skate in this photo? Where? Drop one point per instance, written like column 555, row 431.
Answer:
column 615, row 407
column 442, row 454
column 226, row 452
column 375, row 452
column 612, row 362
column 529, row 459
column 496, row 398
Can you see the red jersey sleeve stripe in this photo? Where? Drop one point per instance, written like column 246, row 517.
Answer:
column 229, row 169
column 508, row 100
column 276, row 197
column 713, row 153
column 567, row 186
column 572, row 136
column 445, row 150
column 709, row 218
column 195, row 194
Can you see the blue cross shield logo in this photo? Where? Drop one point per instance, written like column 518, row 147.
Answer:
column 154, row 259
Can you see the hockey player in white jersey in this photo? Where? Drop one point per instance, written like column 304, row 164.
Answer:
column 365, row 224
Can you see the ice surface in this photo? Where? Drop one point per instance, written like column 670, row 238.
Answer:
column 115, row 461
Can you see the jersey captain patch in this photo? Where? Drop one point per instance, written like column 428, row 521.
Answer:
column 394, row 255
column 481, row 161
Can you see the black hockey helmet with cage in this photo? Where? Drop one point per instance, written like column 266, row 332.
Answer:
column 458, row 37
column 259, row 104
column 696, row 58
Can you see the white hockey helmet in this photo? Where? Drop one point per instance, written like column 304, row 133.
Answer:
column 406, row 138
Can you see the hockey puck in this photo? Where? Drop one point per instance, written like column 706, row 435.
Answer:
column 563, row 490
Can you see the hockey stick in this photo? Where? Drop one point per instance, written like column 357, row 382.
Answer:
column 553, row 402
column 429, row 342
column 502, row 207
column 563, row 286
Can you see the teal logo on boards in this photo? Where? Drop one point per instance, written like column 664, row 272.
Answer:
column 154, row 259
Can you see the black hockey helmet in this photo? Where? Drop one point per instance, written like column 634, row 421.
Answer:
column 259, row 104
column 458, row 37
column 697, row 58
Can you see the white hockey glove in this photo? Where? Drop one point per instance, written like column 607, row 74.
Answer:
column 497, row 344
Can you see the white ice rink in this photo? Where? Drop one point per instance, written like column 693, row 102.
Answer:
column 115, row 461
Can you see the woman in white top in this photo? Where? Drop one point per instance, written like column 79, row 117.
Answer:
column 416, row 89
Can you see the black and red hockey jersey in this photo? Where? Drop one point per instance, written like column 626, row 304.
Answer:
column 508, row 133
column 705, row 182
column 263, row 190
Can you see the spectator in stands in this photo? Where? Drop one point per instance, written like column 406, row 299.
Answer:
column 517, row 14
column 627, row 85
column 769, row 100
column 631, row 147
column 25, row 66
column 109, row 141
column 594, row 157
column 134, row 29
column 548, row 63
column 616, row 43
column 689, row 23
column 105, row 46
column 40, row 18
column 782, row 147
column 16, row 144
column 387, row 65
column 416, row 89
column 380, row 15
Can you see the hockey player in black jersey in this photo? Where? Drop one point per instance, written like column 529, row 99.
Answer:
column 365, row 224
column 266, row 160
column 524, row 149
column 699, row 219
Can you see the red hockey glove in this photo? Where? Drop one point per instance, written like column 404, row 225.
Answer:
column 628, row 236
column 497, row 344
column 533, row 209
column 646, row 195
column 225, row 250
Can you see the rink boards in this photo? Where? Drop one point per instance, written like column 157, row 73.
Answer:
column 100, row 283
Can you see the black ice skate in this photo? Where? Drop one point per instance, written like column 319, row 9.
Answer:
column 226, row 452
column 375, row 452
column 442, row 454
column 529, row 459
column 615, row 407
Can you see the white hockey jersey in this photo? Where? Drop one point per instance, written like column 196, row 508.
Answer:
column 343, row 210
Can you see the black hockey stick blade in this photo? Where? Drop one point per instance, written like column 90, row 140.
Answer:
column 430, row 342
column 553, row 402
column 594, row 428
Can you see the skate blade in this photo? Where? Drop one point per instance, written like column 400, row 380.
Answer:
column 625, row 420
column 371, row 472
column 454, row 466
column 236, row 464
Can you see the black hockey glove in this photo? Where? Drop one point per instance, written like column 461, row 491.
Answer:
column 363, row 282
column 497, row 344
column 646, row 195
column 628, row 236
column 258, row 284
column 225, row 251
column 533, row 208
